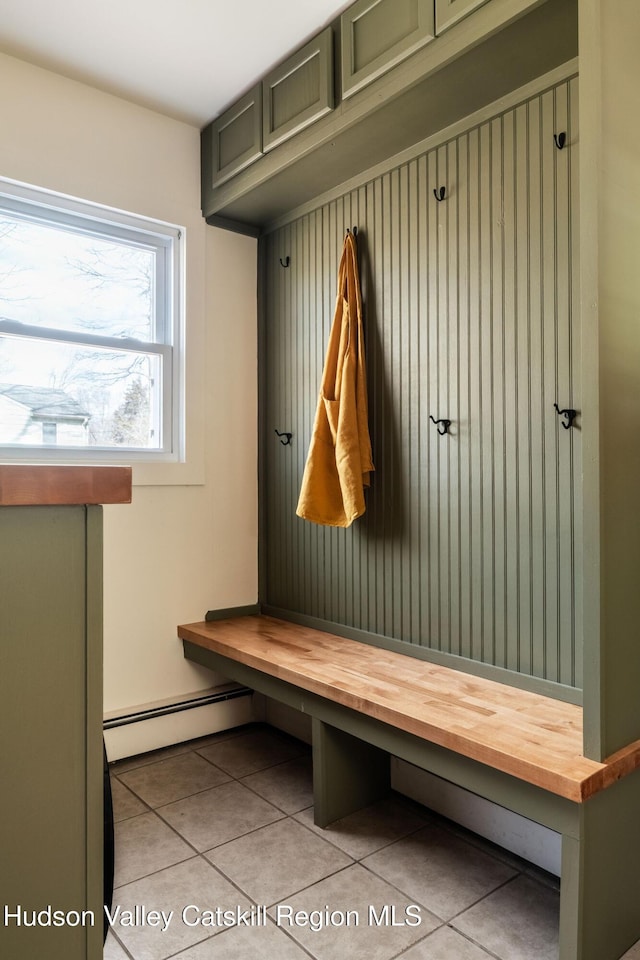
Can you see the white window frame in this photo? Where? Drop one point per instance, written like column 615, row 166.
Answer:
column 168, row 241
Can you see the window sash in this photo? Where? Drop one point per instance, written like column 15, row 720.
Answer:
column 165, row 240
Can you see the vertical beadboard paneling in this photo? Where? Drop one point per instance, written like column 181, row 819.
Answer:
column 471, row 543
column 523, row 520
column 464, row 399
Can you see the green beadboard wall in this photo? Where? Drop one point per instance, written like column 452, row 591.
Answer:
column 471, row 544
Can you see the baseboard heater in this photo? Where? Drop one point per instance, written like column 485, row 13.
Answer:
column 152, row 713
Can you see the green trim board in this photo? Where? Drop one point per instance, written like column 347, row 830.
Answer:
column 222, row 614
column 93, row 722
column 234, row 226
column 378, row 34
column 610, row 295
column 449, row 12
column 298, row 91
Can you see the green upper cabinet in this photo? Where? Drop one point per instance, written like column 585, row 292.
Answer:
column 235, row 139
column 449, row 12
column 378, row 34
column 298, row 91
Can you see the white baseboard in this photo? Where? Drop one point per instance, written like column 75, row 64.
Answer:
column 509, row 830
column 152, row 726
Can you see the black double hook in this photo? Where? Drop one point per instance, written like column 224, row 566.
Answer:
column 569, row 414
column 445, row 425
column 286, row 262
column 440, row 194
column 560, row 139
column 287, row 438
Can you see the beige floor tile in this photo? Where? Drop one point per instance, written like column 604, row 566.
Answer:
column 145, row 844
column 440, row 870
column 193, row 882
column 142, row 759
column 518, row 922
column 288, row 786
column 113, row 950
column 352, row 894
column 253, row 751
column 366, row 831
column 246, row 943
column 633, row 953
column 277, row 861
column 125, row 803
column 174, row 778
column 224, row 735
column 218, row 815
column 445, row 944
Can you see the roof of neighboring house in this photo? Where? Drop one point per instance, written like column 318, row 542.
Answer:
column 45, row 402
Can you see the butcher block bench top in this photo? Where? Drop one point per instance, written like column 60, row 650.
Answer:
column 535, row 738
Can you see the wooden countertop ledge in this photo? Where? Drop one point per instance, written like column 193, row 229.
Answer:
column 53, row 485
column 535, row 738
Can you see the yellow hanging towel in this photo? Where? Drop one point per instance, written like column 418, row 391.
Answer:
column 339, row 459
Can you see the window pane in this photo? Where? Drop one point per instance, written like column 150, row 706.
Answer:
column 51, row 276
column 54, row 393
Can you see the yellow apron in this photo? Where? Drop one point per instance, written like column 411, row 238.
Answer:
column 339, row 459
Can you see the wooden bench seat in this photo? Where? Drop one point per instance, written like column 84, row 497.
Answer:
column 516, row 748
column 532, row 737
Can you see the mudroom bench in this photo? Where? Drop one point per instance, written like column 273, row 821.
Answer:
column 516, row 748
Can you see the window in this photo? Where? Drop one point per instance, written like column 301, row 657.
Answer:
column 89, row 332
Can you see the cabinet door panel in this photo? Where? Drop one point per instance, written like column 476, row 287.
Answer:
column 233, row 140
column 299, row 91
column 378, row 34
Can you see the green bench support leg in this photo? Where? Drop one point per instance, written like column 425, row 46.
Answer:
column 600, row 887
column 348, row 773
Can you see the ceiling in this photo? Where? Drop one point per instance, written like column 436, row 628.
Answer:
column 189, row 59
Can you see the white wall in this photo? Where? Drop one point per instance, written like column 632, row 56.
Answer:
column 189, row 543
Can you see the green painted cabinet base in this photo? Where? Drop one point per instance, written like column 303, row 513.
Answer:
column 348, row 774
column 51, row 829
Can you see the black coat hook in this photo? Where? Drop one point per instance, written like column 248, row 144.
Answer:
column 570, row 415
column 355, row 231
column 287, row 438
column 285, row 263
column 560, row 139
column 445, row 425
column 440, row 194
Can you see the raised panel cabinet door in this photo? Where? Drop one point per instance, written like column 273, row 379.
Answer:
column 449, row 12
column 298, row 91
column 234, row 140
column 378, row 34
column 50, row 718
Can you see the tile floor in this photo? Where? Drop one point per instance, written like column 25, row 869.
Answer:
column 226, row 822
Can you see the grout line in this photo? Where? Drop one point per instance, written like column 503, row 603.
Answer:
column 430, row 819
